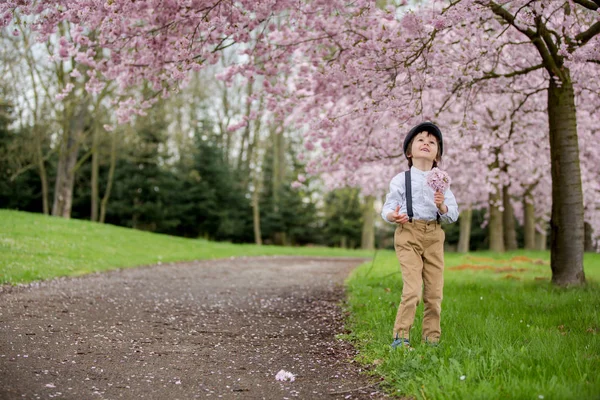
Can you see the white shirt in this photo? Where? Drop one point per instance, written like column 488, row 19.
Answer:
column 423, row 205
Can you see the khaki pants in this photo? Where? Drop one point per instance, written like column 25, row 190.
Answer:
column 420, row 250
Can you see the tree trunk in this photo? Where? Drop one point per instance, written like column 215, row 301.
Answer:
column 589, row 241
column 246, row 134
column 495, row 227
column 256, row 217
column 277, row 139
column 280, row 156
column 65, row 171
column 529, row 224
column 540, row 240
column 368, row 229
column 252, row 144
column 508, row 220
column 277, row 179
column 95, row 166
column 111, row 175
column 465, row 220
column 566, row 223
column 42, row 172
column 257, row 186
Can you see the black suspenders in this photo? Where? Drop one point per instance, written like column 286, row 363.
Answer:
column 407, row 182
column 408, row 186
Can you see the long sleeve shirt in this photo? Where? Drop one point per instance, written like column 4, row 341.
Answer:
column 423, row 205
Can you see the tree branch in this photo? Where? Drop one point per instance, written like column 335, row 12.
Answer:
column 585, row 36
column 491, row 75
column 508, row 17
column 549, row 62
column 545, row 35
column 589, row 4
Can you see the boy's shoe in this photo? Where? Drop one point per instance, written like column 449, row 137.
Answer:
column 400, row 342
column 432, row 343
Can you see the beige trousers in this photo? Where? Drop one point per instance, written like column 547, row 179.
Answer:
column 420, row 250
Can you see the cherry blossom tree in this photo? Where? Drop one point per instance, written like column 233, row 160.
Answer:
column 538, row 50
column 359, row 77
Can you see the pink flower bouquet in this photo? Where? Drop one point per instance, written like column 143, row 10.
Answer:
column 438, row 180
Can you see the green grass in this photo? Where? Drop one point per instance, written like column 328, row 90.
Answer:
column 36, row 247
column 509, row 333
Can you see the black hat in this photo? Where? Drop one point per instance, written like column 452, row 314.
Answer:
column 427, row 127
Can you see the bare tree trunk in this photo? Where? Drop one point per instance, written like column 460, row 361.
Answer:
column 540, row 240
column 257, row 182
column 42, row 172
column 111, row 175
column 368, row 229
column 465, row 220
column 566, row 223
column 508, row 219
column 67, row 159
column 589, row 242
column 256, row 212
column 95, row 166
column 246, row 134
column 225, row 131
column 281, row 145
column 495, row 227
column 252, row 145
column 277, row 143
column 529, row 224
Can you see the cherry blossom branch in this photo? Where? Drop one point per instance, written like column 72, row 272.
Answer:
column 541, row 28
column 589, row 4
column 491, row 75
column 585, row 36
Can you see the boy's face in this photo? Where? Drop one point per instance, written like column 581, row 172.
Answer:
column 424, row 145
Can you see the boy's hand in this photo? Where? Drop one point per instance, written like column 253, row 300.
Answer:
column 397, row 218
column 438, row 198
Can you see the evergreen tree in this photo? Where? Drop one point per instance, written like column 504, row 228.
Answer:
column 214, row 204
column 143, row 185
column 343, row 218
column 23, row 191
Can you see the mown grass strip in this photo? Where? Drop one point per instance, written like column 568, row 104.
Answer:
column 507, row 332
column 36, row 247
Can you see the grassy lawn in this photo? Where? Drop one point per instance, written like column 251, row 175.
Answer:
column 507, row 333
column 36, row 247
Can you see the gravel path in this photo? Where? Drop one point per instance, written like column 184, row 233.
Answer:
column 210, row 329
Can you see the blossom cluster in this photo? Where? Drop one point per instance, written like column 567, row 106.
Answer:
column 438, row 180
column 285, row 376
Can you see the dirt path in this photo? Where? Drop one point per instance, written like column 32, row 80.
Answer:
column 214, row 329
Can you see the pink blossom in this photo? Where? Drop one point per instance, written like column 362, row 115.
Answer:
column 438, row 180
column 285, row 376
column 235, row 127
column 65, row 92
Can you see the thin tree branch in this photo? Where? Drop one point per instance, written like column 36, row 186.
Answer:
column 549, row 62
column 585, row 36
column 492, row 75
column 589, row 4
column 508, row 17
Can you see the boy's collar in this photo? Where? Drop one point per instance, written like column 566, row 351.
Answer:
column 417, row 170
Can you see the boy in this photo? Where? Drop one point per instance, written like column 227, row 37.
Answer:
column 419, row 238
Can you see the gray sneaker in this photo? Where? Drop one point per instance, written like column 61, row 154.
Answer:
column 400, row 342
